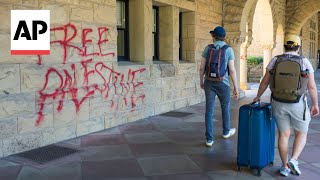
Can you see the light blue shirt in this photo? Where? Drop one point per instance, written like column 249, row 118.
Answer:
column 229, row 55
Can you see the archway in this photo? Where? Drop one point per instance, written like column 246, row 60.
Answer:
column 262, row 32
column 298, row 12
column 258, row 24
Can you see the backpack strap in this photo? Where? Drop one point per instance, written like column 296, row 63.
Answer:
column 225, row 47
column 305, row 106
column 212, row 46
column 288, row 56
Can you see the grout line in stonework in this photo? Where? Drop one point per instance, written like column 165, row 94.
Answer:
column 53, row 116
column 20, row 77
column 20, row 92
column 1, row 150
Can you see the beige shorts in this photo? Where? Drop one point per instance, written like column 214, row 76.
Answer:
column 291, row 115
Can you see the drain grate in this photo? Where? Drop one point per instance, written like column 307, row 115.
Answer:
column 176, row 114
column 45, row 154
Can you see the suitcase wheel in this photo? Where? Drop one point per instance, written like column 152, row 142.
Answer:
column 259, row 172
column 239, row 168
column 271, row 164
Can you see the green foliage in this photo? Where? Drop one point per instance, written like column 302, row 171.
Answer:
column 254, row 60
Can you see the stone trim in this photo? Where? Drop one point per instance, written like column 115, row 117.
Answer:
column 268, row 46
column 235, row 40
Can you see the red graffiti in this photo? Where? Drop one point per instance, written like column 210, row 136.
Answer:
column 68, row 86
column 70, row 32
column 73, row 80
column 243, row 57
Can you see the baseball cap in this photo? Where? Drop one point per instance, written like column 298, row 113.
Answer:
column 292, row 40
column 219, row 32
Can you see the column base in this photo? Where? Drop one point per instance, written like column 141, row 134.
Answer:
column 241, row 93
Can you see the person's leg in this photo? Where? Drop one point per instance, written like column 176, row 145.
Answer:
column 300, row 119
column 223, row 92
column 298, row 144
column 210, row 99
column 283, row 142
column 282, row 117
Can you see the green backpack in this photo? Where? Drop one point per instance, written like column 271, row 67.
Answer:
column 288, row 81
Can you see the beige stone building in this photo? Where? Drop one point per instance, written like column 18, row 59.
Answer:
column 117, row 61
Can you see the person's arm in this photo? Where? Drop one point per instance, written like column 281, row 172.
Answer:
column 202, row 67
column 312, row 88
column 263, row 85
column 233, row 75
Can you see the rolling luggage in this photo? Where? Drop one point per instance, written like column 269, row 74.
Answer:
column 256, row 136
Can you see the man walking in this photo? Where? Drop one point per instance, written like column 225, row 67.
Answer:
column 289, row 104
column 217, row 59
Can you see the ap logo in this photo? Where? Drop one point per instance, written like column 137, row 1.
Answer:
column 30, row 32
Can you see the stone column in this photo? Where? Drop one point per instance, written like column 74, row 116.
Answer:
column 243, row 65
column 267, row 54
column 169, row 33
column 140, row 31
column 235, row 42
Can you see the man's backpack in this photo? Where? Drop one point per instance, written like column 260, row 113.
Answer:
column 288, row 82
column 216, row 64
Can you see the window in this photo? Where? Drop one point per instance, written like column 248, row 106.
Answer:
column 155, row 33
column 180, row 36
column 122, row 14
column 313, row 41
column 312, row 45
column 187, row 41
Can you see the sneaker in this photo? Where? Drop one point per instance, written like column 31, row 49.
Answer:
column 284, row 171
column 231, row 133
column 294, row 166
column 209, row 143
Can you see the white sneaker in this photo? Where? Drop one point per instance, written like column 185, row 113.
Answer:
column 209, row 143
column 231, row 133
column 284, row 171
column 294, row 166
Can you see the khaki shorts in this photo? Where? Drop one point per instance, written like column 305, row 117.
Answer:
column 291, row 115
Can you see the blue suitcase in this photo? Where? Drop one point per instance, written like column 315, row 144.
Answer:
column 256, row 136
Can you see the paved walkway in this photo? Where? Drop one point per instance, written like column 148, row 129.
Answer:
column 161, row 147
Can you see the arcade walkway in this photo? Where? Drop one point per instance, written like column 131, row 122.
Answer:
column 160, row 148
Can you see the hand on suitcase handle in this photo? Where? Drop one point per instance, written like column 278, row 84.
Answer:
column 257, row 99
column 256, row 103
